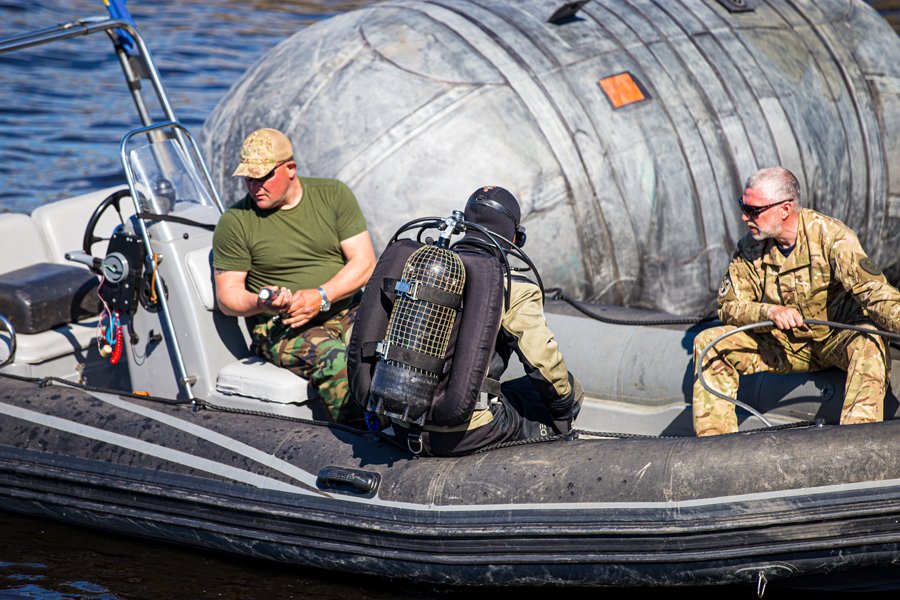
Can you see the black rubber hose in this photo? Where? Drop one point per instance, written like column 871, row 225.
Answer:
column 559, row 294
column 760, row 324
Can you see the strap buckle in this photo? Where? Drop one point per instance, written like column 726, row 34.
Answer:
column 408, row 289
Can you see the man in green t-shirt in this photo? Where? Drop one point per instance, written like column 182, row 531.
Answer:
column 305, row 242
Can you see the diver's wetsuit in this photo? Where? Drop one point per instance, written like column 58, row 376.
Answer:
column 540, row 405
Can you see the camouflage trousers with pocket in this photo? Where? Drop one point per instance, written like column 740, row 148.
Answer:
column 864, row 357
column 318, row 353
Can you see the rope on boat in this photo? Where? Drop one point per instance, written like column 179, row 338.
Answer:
column 570, row 436
column 583, row 434
column 758, row 325
column 43, row 382
column 318, row 423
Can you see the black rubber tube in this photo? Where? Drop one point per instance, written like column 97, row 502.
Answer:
column 735, row 401
column 559, row 294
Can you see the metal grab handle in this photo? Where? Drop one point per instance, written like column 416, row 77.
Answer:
column 735, row 401
column 12, row 341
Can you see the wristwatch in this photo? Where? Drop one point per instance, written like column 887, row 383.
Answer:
column 326, row 303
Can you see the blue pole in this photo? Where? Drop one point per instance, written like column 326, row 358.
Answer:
column 117, row 10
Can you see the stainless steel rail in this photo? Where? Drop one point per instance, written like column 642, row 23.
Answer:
column 133, row 74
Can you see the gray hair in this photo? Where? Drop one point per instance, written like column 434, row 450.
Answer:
column 777, row 183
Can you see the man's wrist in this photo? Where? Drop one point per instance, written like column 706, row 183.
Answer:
column 325, row 305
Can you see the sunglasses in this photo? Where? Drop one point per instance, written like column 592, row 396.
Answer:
column 267, row 176
column 754, row 211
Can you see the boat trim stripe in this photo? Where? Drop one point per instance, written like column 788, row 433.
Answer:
column 255, row 454
column 168, row 454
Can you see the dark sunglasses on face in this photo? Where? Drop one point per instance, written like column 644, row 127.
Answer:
column 754, row 211
column 265, row 177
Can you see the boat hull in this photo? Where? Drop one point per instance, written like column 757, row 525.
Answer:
column 602, row 512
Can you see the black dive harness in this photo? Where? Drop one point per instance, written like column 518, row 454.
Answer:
column 427, row 325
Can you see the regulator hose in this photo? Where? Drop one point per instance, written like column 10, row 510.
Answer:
column 559, row 294
column 495, row 244
column 760, row 324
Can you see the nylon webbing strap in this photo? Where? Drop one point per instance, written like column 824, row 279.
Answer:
column 413, row 358
column 490, row 386
column 418, row 291
column 173, row 219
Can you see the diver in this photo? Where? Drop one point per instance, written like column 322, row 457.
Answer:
column 499, row 316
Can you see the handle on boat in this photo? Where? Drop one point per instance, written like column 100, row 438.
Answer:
column 84, row 258
column 12, row 341
column 353, row 481
column 760, row 324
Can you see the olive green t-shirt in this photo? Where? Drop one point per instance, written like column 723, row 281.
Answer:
column 299, row 248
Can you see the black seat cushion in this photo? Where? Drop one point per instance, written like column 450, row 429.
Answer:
column 45, row 295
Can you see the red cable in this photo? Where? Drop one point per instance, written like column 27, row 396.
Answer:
column 117, row 351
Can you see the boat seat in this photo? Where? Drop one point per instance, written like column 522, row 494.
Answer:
column 38, row 348
column 45, row 237
column 253, row 383
column 62, row 223
column 18, row 231
column 250, row 382
column 46, row 295
column 199, row 266
column 255, row 377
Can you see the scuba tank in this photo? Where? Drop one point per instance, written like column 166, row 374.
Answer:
column 426, row 328
column 411, row 357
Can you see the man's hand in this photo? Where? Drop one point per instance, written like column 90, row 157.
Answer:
column 279, row 299
column 304, row 306
column 786, row 317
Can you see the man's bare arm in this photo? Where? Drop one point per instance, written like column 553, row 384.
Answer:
column 353, row 275
column 234, row 299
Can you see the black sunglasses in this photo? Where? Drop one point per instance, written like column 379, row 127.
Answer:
column 754, row 211
column 268, row 175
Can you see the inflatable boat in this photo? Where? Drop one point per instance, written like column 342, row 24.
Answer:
column 153, row 419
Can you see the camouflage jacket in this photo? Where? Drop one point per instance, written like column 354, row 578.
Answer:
column 828, row 277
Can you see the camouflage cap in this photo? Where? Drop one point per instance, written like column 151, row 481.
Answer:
column 262, row 151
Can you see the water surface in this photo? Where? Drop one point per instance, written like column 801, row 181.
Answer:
column 64, row 107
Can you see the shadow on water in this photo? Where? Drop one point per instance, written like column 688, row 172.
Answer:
column 47, row 560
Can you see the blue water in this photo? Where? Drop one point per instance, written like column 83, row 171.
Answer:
column 64, row 107
column 63, row 110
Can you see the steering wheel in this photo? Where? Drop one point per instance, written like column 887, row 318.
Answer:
column 113, row 200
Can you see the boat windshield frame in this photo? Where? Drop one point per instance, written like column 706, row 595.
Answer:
column 136, row 63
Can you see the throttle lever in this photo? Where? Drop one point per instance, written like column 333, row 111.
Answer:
column 114, row 268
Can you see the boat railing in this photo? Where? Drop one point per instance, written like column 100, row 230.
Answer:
column 12, row 340
column 137, row 64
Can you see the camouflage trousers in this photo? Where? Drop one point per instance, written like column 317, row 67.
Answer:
column 317, row 353
column 864, row 357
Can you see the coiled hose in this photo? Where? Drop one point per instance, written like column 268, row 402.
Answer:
column 699, row 372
